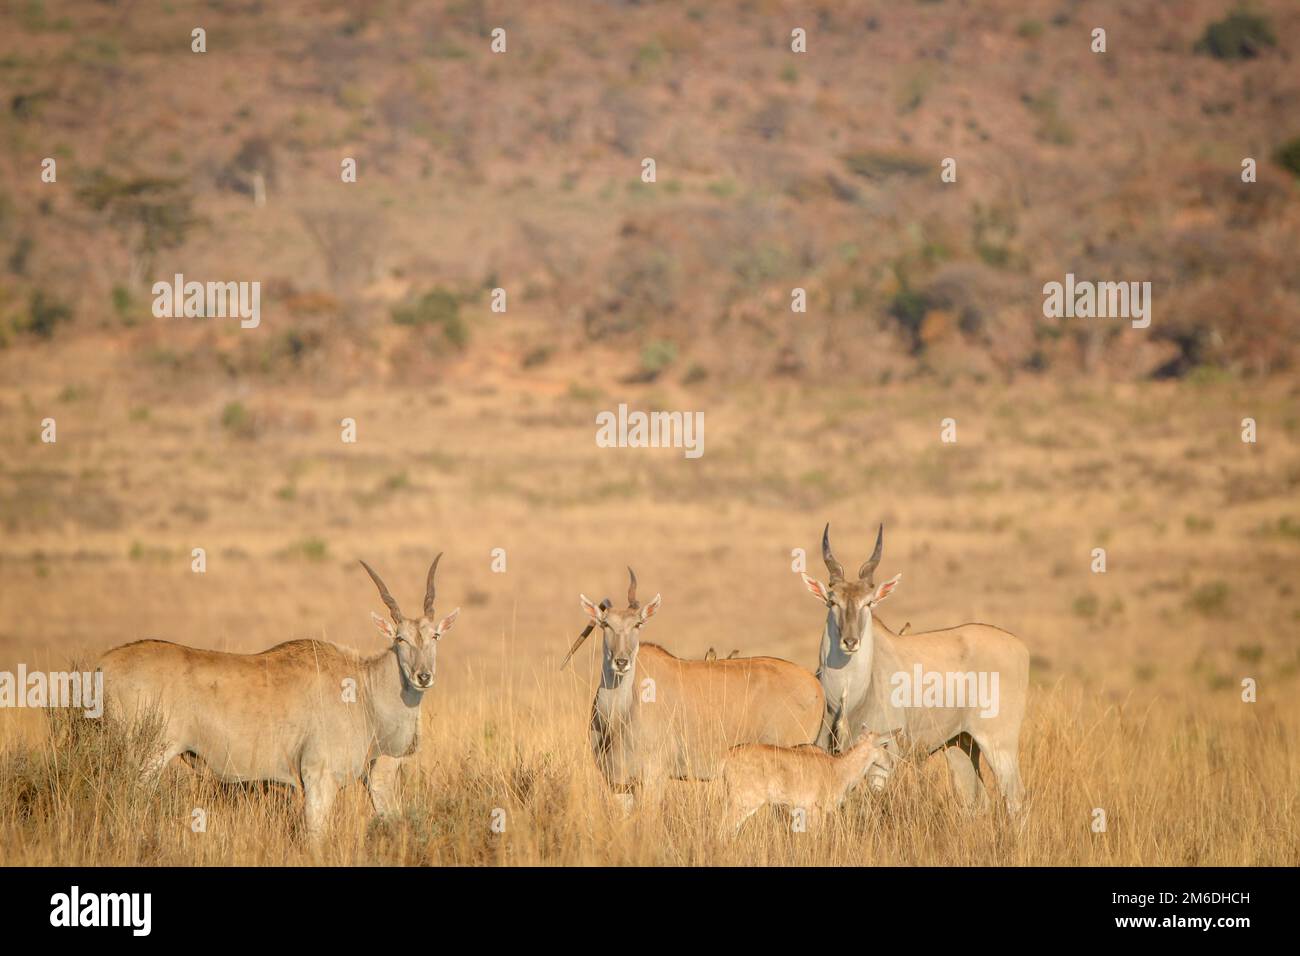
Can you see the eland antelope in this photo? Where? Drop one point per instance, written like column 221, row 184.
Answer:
column 869, row 676
column 805, row 777
column 657, row 717
column 303, row 713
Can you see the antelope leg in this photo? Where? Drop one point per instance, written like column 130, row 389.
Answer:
column 318, row 799
column 381, row 784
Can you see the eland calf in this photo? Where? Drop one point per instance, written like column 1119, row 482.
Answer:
column 804, row 778
column 303, row 713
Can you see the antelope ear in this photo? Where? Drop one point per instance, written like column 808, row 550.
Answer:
column 648, row 610
column 445, row 624
column 595, row 613
column 885, row 589
column 816, row 588
column 385, row 626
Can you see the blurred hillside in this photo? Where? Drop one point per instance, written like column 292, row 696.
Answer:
column 775, row 170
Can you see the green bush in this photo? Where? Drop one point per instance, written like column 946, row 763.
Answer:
column 1238, row 36
column 1052, row 126
column 44, row 312
column 1288, row 156
column 123, row 304
column 1086, row 605
column 658, row 355
column 308, row 549
column 21, row 253
column 1210, row 599
column 238, row 420
column 151, row 213
column 908, row 307
column 439, row 309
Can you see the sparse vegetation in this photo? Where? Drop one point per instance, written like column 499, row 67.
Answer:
column 238, row 420
column 909, row 308
column 1288, row 156
column 310, row 549
column 657, row 356
column 1238, row 36
column 1210, row 599
column 151, row 213
column 1053, row 128
column 44, row 314
column 123, row 305
column 438, row 310
column 1086, row 606
column 782, row 178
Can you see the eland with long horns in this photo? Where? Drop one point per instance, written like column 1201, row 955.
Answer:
column 960, row 690
column 303, row 713
column 657, row 717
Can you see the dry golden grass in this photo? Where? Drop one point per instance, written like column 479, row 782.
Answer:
column 1136, row 703
column 1214, row 785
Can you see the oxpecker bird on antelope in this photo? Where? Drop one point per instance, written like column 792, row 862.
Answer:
column 657, row 717
column 960, row 690
column 304, row 713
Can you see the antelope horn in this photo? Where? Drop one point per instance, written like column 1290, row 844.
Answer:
column 632, row 602
column 383, row 593
column 429, row 589
column 605, row 605
column 834, row 567
column 868, row 569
